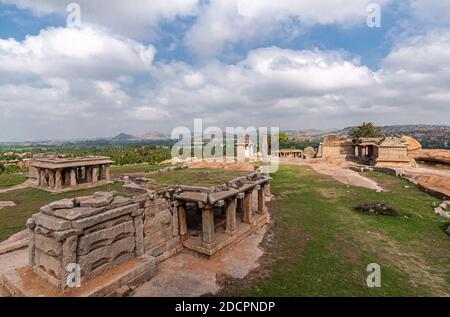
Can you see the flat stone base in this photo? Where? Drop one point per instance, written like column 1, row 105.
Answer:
column 78, row 187
column 223, row 240
column 24, row 282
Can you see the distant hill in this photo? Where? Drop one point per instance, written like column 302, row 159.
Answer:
column 153, row 136
column 123, row 137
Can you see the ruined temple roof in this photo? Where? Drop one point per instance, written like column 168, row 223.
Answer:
column 56, row 162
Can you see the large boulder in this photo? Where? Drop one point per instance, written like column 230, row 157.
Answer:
column 309, row 152
column 411, row 143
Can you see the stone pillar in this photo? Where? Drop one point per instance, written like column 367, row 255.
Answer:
column 80, row 173
column 248, row 207
column 101, row 172
column 208, row 237
column 231, row 226
column 58, row 179
column 73, row 178
column 107, row 172
column 67, row 177
column 95, row 174
column 38, row 171
column 182, row 221
column 88, row 174
column 44, row 182
column 262, row 209
column 51, row 179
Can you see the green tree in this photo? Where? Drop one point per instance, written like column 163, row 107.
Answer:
column 366, row 130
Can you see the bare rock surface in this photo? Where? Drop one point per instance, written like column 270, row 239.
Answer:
column 189, row 275
column 4, row 204
column 339, row 172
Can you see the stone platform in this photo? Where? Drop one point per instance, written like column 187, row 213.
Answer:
column 115, row 282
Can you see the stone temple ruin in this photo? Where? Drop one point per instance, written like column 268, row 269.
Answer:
column 117, row 241
column 54, row 173
column 378, row 152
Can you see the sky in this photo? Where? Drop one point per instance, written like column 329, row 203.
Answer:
column 145, row 65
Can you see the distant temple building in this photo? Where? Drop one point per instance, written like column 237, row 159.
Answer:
column 55, row 173
column 380, row 152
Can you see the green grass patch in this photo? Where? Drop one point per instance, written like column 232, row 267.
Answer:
column 320, row 246
column 198, row 177
column 10, row 180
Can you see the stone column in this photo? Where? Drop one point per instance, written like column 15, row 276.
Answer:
column 38, row 172
column 51, row 179
column 79, row 173
column 58, row 179
column 73, row 178
column 44, row 182
column 182, row 221
column 248, row 207
column 107, row 172
column 95, row 174
column 231, row 226
column 67, row 177
column 88, row 174
column 208, row 237
column 101, row 172
column 262, row 209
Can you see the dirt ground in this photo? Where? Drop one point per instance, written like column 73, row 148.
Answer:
column 338, row 170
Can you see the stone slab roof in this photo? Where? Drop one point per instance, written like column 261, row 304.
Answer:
column 57, row 162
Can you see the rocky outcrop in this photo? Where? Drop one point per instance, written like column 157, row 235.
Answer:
column 437, row 156
column 411, row 143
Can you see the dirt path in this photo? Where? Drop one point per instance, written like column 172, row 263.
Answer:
column 339, row 172
column 189, row 275
column 25, row 185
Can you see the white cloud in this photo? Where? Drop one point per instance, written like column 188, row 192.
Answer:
column 133, row 18
column 221, row 22
column 68, row 52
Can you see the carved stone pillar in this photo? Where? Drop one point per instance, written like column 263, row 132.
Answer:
column 88, row 174
column 58, row 179
column 51, row 179
column 208, row 237
column 262, row 209
column 182, row 221
column 231, row 226
column 44, row 182
column 73, row 178
column 107, row 172
column 248, row 207
column 94, row 174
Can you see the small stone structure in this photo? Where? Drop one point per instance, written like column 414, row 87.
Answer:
column 383, row 152
column 56, row 173
column 379, row 152
column 104, row 231
column 336, row 147
column 95, row 232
